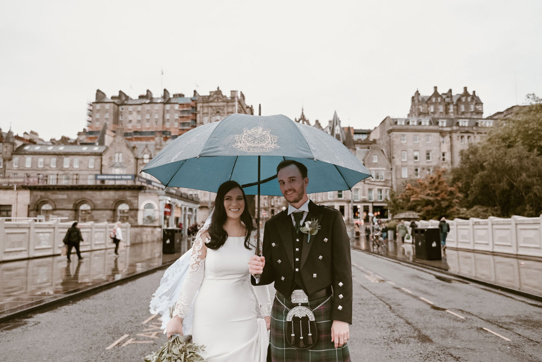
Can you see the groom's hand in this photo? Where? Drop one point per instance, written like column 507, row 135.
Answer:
column 340, row 333
column 256, row 264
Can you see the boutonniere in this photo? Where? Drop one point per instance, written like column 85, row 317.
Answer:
column 310, row 228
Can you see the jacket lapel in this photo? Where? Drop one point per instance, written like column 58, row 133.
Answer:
column 313, row 214
column 285, row 231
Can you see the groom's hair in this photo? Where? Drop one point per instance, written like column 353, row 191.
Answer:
column 301, row 167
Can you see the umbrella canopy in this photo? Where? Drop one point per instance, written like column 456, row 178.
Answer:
column 209, row 155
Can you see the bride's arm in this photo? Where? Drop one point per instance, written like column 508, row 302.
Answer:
column 194, row 278
column 264, row 299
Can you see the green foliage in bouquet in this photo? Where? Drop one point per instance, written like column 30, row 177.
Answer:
column 178, row 349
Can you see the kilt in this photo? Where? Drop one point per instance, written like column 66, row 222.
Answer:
column 323, row 351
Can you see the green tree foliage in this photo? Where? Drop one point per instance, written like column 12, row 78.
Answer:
column 504, row 172
column 431, row 197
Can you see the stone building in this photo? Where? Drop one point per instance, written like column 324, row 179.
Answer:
column 446, row 105
column 431, row 137
column 99, row 183
column 216, row 106
column 369, row 195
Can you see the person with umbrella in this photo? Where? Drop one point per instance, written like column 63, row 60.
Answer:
column 306, row 253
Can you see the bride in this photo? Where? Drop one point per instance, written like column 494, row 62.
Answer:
column 216, row 300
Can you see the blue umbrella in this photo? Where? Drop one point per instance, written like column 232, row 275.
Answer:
column 247, row 149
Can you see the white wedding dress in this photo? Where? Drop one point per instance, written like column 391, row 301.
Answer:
column 215, row 290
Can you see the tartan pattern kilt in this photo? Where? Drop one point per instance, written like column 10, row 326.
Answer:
column 323, row 351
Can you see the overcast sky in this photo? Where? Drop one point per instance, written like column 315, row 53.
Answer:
column 363, row 59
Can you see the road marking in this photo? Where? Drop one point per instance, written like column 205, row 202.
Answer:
column 457, row 315
column 149, row 319
column 372, row 278
column 117, row 341
column 497, row 334
column 132, row 341
column 425, row 300
column 406, row 290
column 392, row 283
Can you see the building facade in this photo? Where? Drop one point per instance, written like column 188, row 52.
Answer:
column 432, row 136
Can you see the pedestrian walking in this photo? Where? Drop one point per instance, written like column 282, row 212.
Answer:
column 413, row 226
column 402, row 230
column 385, row 232
column 72, row 239
column 116, row 236
column 444, row 230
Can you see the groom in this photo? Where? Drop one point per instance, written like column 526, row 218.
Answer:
column 310, row 267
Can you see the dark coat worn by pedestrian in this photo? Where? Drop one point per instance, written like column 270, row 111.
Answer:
column 73, row 236
column 325, row 258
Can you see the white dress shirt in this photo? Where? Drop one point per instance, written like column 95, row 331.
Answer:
column 304, row 208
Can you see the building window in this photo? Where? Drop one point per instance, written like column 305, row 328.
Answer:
column 15, row 162
column 416, row 155
column 76, row 162
column 427, row 138
column 97, row 106
column 146, row 158
column 413, row 122
column 432, row 108
column 5, row 210
column 51, row 180
column 356, row 194
column 469, row 140
column 339, row 194
column 443, row 139
column 379, row 195
column 148, row 214
column 84, row 213
column 463, row 123
column 425, row 122
column 400, row 122
column 442, row 123
column 404, row 172
column 430, row 170
column 28, row 162
column 65, row 179
column 40, row 162
column 330, row 195
column 66, row 162
column 148, row 116
column 90, row 179
column 443, row 156
column 441, row 108
column 107, row 106
column 1, row 163
column 428, row 155
column 403, row 138
column 417, row 172
column 462, row 139
column 375, row 158
column 118, row 157
column 91, row 163
column 370, row 195
column 462, row 108
column 416, row 138
column 53, row 162
column 403, row 155
column 378, row 175
column 123, row 212
column 167, row 107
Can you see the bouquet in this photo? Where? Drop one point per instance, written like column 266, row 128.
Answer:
column 177, row 349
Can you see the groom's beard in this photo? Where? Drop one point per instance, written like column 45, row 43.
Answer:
column 296, row 196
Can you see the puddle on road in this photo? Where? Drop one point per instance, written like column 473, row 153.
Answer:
column 448, row 280
column 437, row 308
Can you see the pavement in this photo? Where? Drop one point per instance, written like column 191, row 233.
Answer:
column 513, row 273
column 32, row 285
column 29, row 286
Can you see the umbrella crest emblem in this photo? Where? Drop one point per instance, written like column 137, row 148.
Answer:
column 256, row 139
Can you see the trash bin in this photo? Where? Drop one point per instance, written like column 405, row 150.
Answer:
column 171, row 241
column 427, row 241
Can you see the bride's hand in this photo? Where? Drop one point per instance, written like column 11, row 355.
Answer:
column 174, row 326
column 267, row 322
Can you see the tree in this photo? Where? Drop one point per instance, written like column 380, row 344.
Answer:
column 431, row 197
column 504, row 172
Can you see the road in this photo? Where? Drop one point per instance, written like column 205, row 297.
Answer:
column 402, row 313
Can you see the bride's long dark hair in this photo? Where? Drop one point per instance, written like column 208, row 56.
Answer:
column 216, row 229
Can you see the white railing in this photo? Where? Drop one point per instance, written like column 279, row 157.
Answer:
column 517, row 236
column 31, row 239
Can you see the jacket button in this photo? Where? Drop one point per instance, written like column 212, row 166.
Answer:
column 296, row 259
column 273, row 244
column 340, row 284
column 320, row 257
column 340, row 307
column 325, row 240
column 341, row 296
column 296, row 239
column 296, row 249
column 296, row 269
column 279, row 261
column 282, row 278
column 314, row 275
